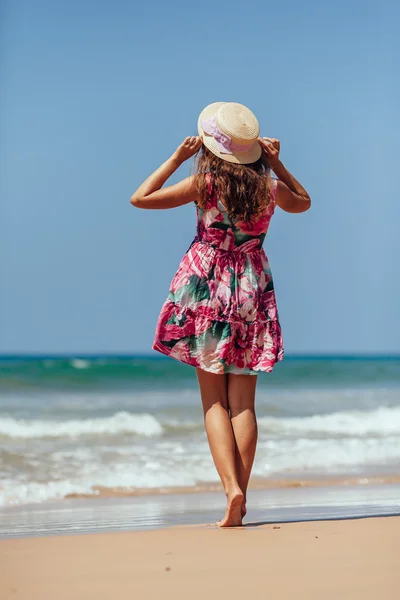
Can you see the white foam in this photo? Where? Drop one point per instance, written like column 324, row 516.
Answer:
column 164, row 463
column 329, row 455
column 122, row 422
column 153, row 475
column 33, row 492
column 379, row 422
column 80, row 363
column 382, row 421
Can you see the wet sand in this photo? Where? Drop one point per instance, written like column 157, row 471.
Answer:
column 351, row 559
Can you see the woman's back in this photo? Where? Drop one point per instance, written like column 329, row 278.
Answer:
column 214, row 225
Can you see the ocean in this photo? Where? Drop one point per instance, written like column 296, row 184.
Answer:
column 87, row 425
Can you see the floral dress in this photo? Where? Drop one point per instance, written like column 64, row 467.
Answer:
column 220, row 313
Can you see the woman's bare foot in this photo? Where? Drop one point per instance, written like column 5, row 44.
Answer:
column 233, row 515
column 244, row 510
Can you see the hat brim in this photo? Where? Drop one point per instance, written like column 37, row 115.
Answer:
column 241, row 158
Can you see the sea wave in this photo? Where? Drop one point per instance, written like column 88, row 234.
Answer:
column 119, row 423
column 89, row 470
column 80, row 363
column 379, row 422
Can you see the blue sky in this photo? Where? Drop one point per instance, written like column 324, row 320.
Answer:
column 95, row 95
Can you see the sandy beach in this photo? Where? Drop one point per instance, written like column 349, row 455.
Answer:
column 354, row 559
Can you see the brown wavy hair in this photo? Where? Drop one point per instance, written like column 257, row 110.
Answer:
column 243, row 189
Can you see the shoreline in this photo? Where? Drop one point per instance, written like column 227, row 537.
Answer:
column 157, row 512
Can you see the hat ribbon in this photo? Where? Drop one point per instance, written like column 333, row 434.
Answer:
column 224, row 142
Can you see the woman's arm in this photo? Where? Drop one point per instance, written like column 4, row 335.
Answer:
column 290, row 195
column 150, row 195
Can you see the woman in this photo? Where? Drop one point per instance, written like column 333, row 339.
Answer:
column 221, row 315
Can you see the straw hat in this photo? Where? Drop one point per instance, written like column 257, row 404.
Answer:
column 230, row 131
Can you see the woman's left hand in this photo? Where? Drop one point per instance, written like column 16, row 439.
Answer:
column 271, row 147
column 188, row 148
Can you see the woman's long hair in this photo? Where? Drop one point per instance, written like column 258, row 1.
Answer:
column 242, row 189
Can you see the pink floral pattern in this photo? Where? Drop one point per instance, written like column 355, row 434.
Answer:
column 220, row 313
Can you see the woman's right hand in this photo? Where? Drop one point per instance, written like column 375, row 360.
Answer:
column 188, row 148
column 271, row 147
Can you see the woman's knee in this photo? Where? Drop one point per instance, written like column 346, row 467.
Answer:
column 212, row 405
column 238, row 407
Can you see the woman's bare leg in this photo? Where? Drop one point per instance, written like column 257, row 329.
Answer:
column 241, row 399
column 213, row 390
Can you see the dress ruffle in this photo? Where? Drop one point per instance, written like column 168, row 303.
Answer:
column 215, row 345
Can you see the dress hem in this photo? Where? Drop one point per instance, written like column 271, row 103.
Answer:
column 163, row 350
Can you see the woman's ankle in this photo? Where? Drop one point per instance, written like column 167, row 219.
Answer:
column 232, row 488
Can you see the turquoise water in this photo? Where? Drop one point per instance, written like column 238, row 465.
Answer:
column 73, row 424
column 99, row 371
